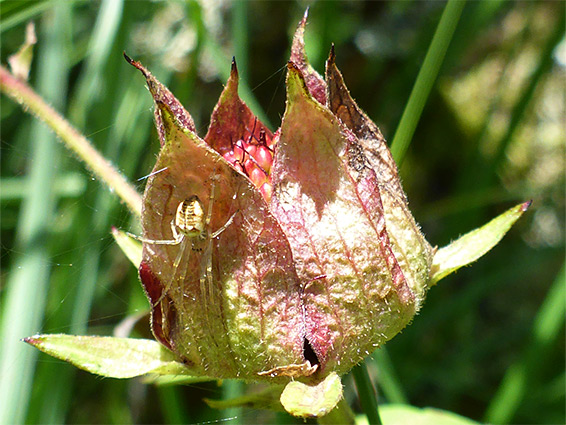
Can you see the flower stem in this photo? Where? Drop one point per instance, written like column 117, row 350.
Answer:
column 341, row 414
column 426, row 78
column 366, row 393
column 22, row 93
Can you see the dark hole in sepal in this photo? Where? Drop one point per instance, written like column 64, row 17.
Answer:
column 309, row 354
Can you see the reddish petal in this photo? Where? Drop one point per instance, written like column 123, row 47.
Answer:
column 327, row 200
column 232, row 120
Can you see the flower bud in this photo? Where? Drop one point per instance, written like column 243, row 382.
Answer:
column 309, row 258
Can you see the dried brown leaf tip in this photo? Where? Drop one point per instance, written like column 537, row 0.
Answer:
column 162, row 96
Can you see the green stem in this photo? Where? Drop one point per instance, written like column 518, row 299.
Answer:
column 366, row 393
column 341, row 414
column 426, row 78
column 102, row 169
column 233, row 389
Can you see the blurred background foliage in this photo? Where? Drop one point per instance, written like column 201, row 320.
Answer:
column 489, row 341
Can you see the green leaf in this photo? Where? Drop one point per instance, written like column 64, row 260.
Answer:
column 266, row 399
column 312, row 400
column 474, row 244
column 129, row 246
column 170, row 380
column 109, row 356
column 393, row 414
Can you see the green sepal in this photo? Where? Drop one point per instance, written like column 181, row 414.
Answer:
column 129, row 246
column 266, row 399
column 475, row 244
column 305, row 400
column 109, row 356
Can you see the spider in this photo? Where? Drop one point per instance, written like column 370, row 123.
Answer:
column 189, row 226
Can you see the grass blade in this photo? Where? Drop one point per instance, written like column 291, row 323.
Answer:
column 426, row 78
column 25, row 298
column 388, row 380
column 546, row 329
column 366, row 393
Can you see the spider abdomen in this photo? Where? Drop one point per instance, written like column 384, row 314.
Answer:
column 190, row 218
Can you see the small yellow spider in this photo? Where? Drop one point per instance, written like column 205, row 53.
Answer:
column 190, row 225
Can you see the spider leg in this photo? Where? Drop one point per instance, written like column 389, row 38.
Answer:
column 184, row 242
column 154, row 241
column 209, row 212
column 177, row 237
column 181, row 269
column 209, row 270
column 230, row 220
column 211, row 201
column 205, row 278
column 207, row 286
